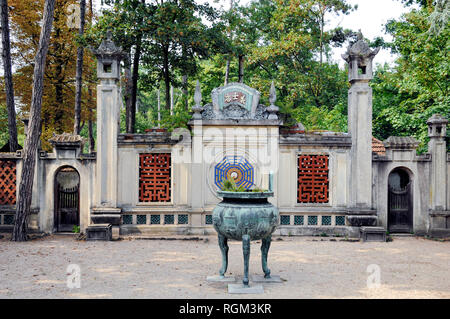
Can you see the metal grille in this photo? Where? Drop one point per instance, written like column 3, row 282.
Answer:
column 298, row 220
column 154, row 177
column 155, row 219
column 141, row 219
column 208, row 220
column 326, row 220
column 285, row 220
column 312, row 179
column 127, row 219
column 169, row 219
column 312, row 220
column 183, row 219
column 8, row 219
column 68, row 197
column 7, row 182
column 340, row 220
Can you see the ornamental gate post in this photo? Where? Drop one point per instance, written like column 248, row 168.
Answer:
column 108, row 123
column 359, row 58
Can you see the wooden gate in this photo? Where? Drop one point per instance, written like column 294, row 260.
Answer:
column 400, row 217
column 67, row 208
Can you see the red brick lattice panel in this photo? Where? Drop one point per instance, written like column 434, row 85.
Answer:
column 7, row 182
column 312, row 179
column 154, row 177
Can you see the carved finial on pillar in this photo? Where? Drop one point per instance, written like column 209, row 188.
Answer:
column 198, row 100
column 272, row 109
column 437, row 126
column 108, row 59
column 359, row 58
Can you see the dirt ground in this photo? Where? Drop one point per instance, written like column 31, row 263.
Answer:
column 312, row 267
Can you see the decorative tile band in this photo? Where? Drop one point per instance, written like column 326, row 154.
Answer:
column 312, row 220
column 156, row 219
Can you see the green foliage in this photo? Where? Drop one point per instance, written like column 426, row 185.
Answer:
column 178, row 119
column 76, row 229
column 290, row 41
column 4, row 135
column 229, row 185
column 407, row 94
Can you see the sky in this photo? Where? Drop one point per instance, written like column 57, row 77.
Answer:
column 371, row 17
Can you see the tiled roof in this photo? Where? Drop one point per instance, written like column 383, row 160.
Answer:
column 65, row 138
column 378, row 146
column 401, row 142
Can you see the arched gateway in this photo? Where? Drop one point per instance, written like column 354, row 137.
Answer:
column 67, row 199
column 400, row 204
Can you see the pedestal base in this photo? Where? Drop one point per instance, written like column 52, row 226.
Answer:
column 373, row 234
column 260, row 278
column 220, row 279
column 106, row 215
column 241, row 289
column 99, row 232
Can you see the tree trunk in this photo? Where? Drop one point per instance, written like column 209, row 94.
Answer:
column 58, row 75
column 159, row 106
column 90, row 122
column 79, row 72
column 241, row 69
column 172, row 99
column 134, row 80
column 166, row 76
column 90, row 129
column 227, row 71
column 9, row 88
column 131, row 108
column 227, row 68
column 322, row 23
column 34, row 131
column 128, row 92
column 185, row 91
column 91, row 135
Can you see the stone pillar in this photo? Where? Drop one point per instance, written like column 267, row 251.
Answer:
column 439, row 212
column 197, row 178
column 108, row 121
column 359, row 58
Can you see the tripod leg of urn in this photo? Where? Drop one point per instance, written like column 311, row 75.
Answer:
column 223, row 244
column 246, row 251
column 264, row 252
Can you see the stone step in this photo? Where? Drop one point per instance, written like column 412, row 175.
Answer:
column 377, row 234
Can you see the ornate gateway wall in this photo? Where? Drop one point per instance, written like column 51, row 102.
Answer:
column 161, row 182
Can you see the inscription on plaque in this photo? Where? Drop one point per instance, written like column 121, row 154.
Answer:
column 235, row 97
